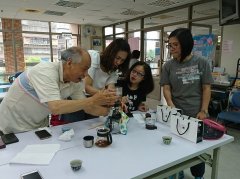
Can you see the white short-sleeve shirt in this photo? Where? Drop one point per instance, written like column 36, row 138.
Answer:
column 25, row 105
column 100, row 78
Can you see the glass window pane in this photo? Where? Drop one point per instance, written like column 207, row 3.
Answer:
column 120, row 28
column 134, row 40
column 108, row 40
column 134, row 25
column 64, row 28
column 120, row 36
column 108, row 30
column 73, row 41
column 36, row 48
column 152, row 50
column 61, row 42
column 35, row 26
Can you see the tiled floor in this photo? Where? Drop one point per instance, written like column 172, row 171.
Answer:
column 229, row 162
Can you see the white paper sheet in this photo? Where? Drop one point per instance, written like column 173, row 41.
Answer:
column 39, row 154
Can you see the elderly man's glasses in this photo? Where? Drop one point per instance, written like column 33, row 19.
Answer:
column 139, row 74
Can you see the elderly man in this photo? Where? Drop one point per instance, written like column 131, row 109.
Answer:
column 43, row 89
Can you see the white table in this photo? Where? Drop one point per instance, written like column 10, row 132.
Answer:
column 138, row 154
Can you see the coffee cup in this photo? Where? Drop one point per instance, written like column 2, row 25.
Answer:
column 76, row 164
column 88, row 141
column 167, row 140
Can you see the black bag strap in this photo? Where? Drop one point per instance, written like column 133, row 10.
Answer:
column 167, row 116
column 185, row 130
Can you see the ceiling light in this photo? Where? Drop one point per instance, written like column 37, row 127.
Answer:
column 32, row 10
column 132, row 12
column 69, row 4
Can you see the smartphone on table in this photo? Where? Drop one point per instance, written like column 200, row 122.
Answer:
column 9, row 138
column 32, row 175
column 2, row 144
column 43, row 134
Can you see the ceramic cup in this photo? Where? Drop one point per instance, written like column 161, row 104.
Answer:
column 76, row 164
column 88, row 141
column 167, row 139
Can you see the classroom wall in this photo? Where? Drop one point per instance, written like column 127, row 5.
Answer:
column 230, row 51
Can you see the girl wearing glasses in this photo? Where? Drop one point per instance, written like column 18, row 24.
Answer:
column 137, row 84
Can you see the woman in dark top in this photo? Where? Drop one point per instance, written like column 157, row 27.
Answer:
column 138, row 83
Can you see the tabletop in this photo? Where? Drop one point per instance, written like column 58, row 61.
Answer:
column 138, row 154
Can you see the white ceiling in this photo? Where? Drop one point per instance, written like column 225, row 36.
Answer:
column 94, row 12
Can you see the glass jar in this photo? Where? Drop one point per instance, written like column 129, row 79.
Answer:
column 104, row 137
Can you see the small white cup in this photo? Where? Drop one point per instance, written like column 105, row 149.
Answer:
column 76, row 164
column 167, row 140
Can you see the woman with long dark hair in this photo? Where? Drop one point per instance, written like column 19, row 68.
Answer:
column 103, row 71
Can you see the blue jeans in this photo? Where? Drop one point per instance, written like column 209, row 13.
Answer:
column 198, row 170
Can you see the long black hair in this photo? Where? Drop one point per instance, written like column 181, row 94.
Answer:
column 185, row 39
column 147, row 84
column 109, row 54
